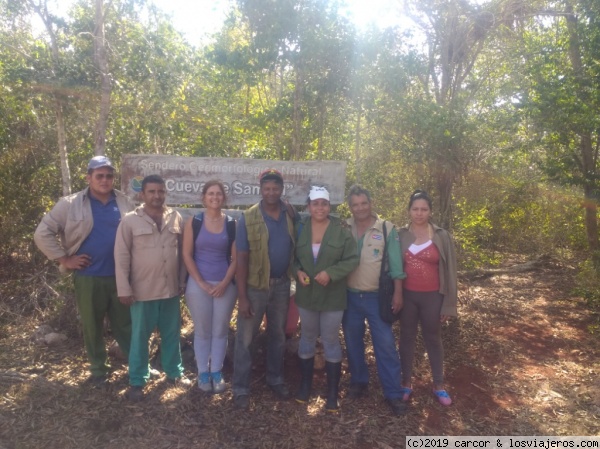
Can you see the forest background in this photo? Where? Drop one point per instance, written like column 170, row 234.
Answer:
column 493, row 107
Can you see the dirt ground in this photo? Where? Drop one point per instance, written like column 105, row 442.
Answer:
column 521, row 359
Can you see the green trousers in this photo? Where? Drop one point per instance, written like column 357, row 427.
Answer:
column 145, row 317
column 97, row 297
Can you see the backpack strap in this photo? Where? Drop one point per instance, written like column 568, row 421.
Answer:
column 230, row 225
column 197, row 225
column 385, row 256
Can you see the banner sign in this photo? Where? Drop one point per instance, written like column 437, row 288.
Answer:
column 185, row 176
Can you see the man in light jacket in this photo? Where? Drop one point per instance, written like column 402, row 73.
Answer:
column 79, row 233
column 150, row 279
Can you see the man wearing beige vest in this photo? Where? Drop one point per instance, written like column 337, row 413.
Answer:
column 363, row 302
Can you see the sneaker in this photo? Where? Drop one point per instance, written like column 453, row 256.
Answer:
column 241, row 402
column 357, row 391
column 443, row 397
column 218, row 384
column 135, row 394
column 181, row 381
column 204, row 382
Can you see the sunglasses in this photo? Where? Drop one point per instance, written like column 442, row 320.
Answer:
column 101, row 176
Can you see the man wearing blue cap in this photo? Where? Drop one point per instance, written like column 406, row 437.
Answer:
column 79, row 233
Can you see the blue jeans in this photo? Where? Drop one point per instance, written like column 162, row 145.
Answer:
column 363, row 306
column 274, row 302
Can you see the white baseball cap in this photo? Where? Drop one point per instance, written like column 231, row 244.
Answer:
column 317, row 193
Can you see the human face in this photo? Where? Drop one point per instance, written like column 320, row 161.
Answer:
column 360, row 206
column 319, row 209
column 213, row 198
column 101, row 182
column 419, row 212
column 154, row 195
column 271, row 192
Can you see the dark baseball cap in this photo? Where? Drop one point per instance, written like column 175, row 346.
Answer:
column 271, row 174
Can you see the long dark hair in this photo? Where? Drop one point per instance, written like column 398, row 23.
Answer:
column 420, row 195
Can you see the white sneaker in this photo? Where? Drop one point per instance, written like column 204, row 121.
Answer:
column 218, row 383
column 204, row 382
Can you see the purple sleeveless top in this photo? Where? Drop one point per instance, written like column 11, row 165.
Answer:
column 210, row 254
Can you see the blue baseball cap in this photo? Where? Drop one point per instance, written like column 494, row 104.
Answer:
column 99, row 162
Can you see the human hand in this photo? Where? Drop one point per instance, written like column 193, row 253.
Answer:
column 245, row 308
column 303, row 278
column 397, row 302
column 218, row 290
column 76, row 262
column 323, row 278
column 126, row 300
column 208, row 288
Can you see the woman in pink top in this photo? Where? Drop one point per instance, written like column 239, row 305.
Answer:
column 430, row 291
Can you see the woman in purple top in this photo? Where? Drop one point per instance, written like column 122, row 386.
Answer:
column 209, row 256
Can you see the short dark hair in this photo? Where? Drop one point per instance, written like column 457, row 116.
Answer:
column 152, row 179
column 356, row 190
column 420, row 195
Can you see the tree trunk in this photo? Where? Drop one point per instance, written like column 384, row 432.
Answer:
column 62, row 146
column 444, row 182
column 357, row 140
column 41, row 10
column 297, row 117
column 588, row 158
column 322, row 113
column 101, row 61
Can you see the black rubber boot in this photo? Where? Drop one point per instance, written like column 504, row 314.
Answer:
column 306, row 368
column 334, row 371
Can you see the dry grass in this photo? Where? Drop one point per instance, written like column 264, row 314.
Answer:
column 519, row 361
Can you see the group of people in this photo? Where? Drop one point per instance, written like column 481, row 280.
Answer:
column 132, row 264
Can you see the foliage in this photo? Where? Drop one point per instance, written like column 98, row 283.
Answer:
column 588, row 283
column 472, row 234
column 486, row 115
column 561, row 49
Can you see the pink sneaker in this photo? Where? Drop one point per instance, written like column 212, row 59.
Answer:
column 443, row 397
column 406, row 392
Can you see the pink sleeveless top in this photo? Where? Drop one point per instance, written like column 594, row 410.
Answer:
column 422, row 269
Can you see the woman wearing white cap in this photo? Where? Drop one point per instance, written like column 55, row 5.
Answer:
column 325, row 255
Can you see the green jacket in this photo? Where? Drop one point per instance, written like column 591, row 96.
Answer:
column 259, row 266
column 337, row 257
column 447, row 266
